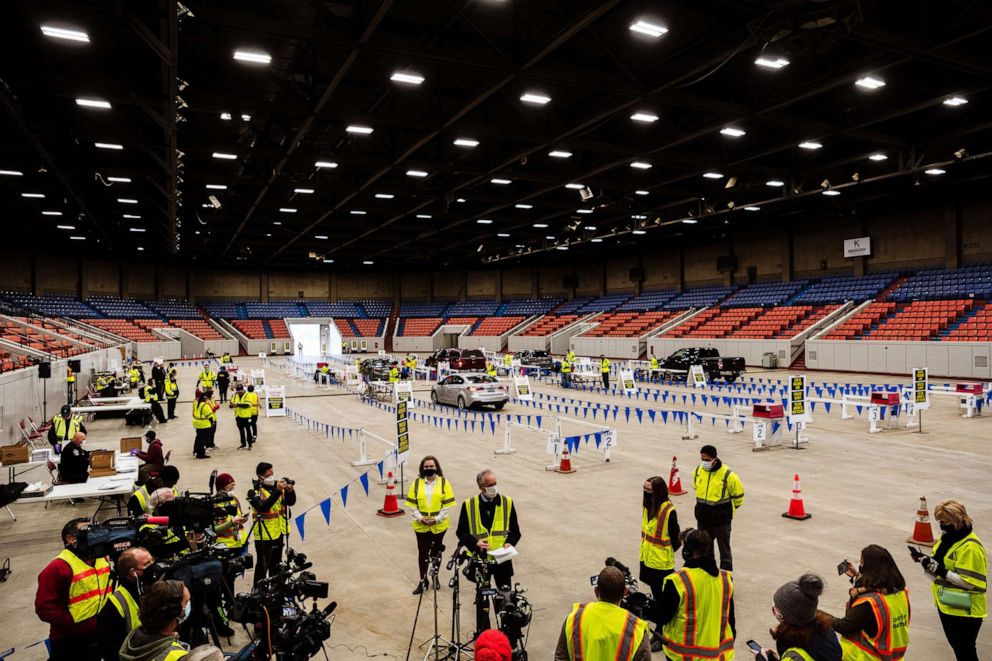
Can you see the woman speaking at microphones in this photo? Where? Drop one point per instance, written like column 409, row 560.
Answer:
column 428, row 502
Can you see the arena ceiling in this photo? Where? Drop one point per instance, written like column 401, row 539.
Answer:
column 279, row 133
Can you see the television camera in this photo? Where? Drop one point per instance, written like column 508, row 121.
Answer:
column 639, row 603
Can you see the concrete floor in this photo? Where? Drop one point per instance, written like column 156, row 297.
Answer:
column 860, row 489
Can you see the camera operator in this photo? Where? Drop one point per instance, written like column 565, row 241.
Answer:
column 64, row 428
column 697, row 604
column 162, row 541
column 75, row 464
column 603, row 629
column 269, row 500
column 119, row 615
column 164, row 607
column 428, row 502
column 139, row 502
column 659, row 542
column 71, row 591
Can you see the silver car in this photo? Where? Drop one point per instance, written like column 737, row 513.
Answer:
column 468, row 390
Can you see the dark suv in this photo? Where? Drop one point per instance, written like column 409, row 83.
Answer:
column 536, row 358
column 459, row 359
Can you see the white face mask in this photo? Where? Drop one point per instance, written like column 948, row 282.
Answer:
column 490, row 492
column 707, row 465
column 269, row 481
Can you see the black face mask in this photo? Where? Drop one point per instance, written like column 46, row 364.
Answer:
column 648, row 498
column 946, row 527
column 430, row 472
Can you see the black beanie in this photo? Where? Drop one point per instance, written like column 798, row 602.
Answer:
column 797, row 600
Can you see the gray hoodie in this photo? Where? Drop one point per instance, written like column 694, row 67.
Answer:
column 142, row 645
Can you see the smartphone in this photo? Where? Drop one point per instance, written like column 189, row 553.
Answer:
column 915, row 553
column 842, row 567
column 756, row 648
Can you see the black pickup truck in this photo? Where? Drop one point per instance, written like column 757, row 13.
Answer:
column 714, row 366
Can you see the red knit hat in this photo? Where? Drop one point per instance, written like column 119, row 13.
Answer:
column 223, row 480
column 492, row 645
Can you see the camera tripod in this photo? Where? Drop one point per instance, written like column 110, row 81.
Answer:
column 440, row 647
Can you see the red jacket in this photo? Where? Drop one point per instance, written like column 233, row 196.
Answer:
column 51, row 603
column 154, row 454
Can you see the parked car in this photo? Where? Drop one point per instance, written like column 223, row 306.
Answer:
column 375, row 369
column 536, row 358
column 468, row 390
column 462, row 360
column 713, row 364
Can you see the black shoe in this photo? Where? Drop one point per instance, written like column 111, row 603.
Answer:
column 419, row 589
column 200, row 456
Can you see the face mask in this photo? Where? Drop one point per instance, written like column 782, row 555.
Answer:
column 490, row 491
column 647, row 498
column 186, row 611
column 946, row 527
column 269, row 481
column 430, row 472
column 707, row 465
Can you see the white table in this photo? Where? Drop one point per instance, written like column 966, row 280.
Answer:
column 109, row 489
column 110, row 405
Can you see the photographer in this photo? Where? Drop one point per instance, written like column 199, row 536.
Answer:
column 696, row 611
column 242, row 416
column 659, row 542
column 71, row 591
column 269, row 500
column 162, row 541
column 164, row 607
column 64, row 428
column 428, row 502
column 119, row 615
column 601, row 630
column 876, row 624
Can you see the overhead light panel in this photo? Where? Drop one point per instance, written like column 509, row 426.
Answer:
column 12, row 173
column 955, row 101
column 384, row 196
column 689, row 221
column 484, row 221
column 108, row 145
column 51, row 213
column 523, row 206
column 126, row 200
column 503, row 235
column 131, row 216
column 584, row 211
column 359, row 129
column 549, row 238
column 136, row 229
column 561, row 247
column 303, row 191
column 535, row 98
column 772, row 62
column 287, row 210
column 322, row 237
column 466, row 142
column 34, row 195
column 460, row 200
column 775, row 183
column 416, row 173
column 120, row 180
column 575, row 186
column 752, row 208
column 646, row 27
column 712, row 175
column 277, row 222
column 328, row 261
column 731, row 132
column 640, row 165
column 78, row 238
column 225, row 157
column 641, row 192
column 357, row 212
column 646, row 117
column 245, row 117
column 368, row 262
column 639, row 216
column 65, row 33
column 934, row 171
column 66, row 227
column 407, row 78
column 226, row 116
column 595, row 240
column 424, row 216
column 252, row 57
column 831, row 193
column 500, row 182
column 878, row 157
column 216, row 186
column 325, row 164
column 870, row 83
column 93, row 103
column 559, row 153
column 810, row 145
column 591, row 228
column 540, row 226
column 638, row 232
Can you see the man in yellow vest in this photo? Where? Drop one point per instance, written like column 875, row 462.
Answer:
column 566, row 372
column 602, row 630
column 488, row 521
column 70, row 385
column 164, row 608
column 206, row 378
column 242, row 416
column 696, row 612
column 226, row 359
column 64, row 428
column 134, row 376
column 394, row 373
column 570, row 356
column 659, row 542
column 508, row 360
column 151, row 398
column 171, row 396
column 604, row 368
column 428, row 502
column 203, row 419
column 71, row 589
column 719, row 493
column 655, row 372
column 253, row 399
column 119, row 615
column 491, row 369
column 270, row 501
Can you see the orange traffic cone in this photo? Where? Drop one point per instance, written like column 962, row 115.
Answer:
column 674, row 480
column 565, row 466
column 922, row 532
column 389, row 506
column 796, row 509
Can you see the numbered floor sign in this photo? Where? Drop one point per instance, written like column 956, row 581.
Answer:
column 275, row 402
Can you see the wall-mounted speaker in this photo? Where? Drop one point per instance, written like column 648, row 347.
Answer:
column 75, row 365
column 45, row 370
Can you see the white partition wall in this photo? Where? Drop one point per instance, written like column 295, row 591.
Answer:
column 967, row 360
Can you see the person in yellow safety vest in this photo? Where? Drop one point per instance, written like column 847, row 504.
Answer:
column 173, row 372
column 566, row 372
column 603, row 630
column 269, row 499
column 226, row 359
column 140, row 500
column 71, row 589
column 659, row 542
column 394, row 373
column 719, row 492
column 803, row 633
column 696, row 613
column 206, row 378
column 70, row 385
column 134, row 376
column 508, row 360
column 171, row 397
column 119, row 615
column 488, row 521
column 491, row 369
column 570, row 356
column 162, row 541
column 958, row 573
column 655, row 367
column 876, row 622
column 164, row 607
column 344, row 346
column 203, row 419
column 230, row 527
column 242, row 416
column 604, row 368
column 252, row 397
column 151, row 397
column 64, row 428
column 429, row 500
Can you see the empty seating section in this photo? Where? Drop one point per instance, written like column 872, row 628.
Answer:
column 225, row 310
column 931, row 284
column 628, row 324
column 721, row 323
column 472, row 308
column 379, row 309
column 53, row 305
column 973, row 327
column 12, row 361
column 253, row 329
column 199, row 327
column 174, row 309
column 129, row 330
column 423, row 309
column 698, row 298
column 369, row 327
column 764, row 294
column 784, row 322
column 574, row 305
column 864, row 318
column 549, row 324
column 121, row 308
column 40, row 340
column 653, row 300
column 495, row 325
column 278, row 329
column 838, row 289
column 919, row 320
column 527, row 307
column 344, row 309
column 419, row 326
column 274, row 309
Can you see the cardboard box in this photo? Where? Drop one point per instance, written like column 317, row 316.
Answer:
column 129, row 443
column 14, row 454
column 103, row 463
column 885, row 398
column 768, row 410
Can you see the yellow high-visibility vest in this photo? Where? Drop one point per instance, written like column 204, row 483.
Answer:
column 656, row 542
column 231, row 537
column 892, row 621
column 654, row 363
column 508, row 359
column 62, row 429
column 253, row 400
column 271, row 524
column 967, row 559
column 242, row 405
column 604, row 365
column 171, row 390
column 90, row 585
column 125, row 604
column 207, row 378
column 442, row 496
column 497, row 535
column 566, row 367
column 141, row 493
column 718, row 487
column 394, row 375
column 701, row 627
column 203, row 415
column 796, row 654
column 601, row 631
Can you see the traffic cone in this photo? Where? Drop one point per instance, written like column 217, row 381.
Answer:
column 565, row 466
column 389, row 506
column 796, row 509
column 922, row 532
column 675, row 481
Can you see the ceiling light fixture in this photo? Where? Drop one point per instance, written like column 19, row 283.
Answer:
column 535, row 98
column 132, row 216
column 584, row 211
column 732, row 132
column 225, row 157
column 878, row 157
column 252, row 57
column 126, row 200
column 870, row 83
column 328, row 261
column 689, row 221
column 575, row 186
column 595, row 240
column 226, row 116
column 641, row 192
column 752, row 208
column 638, row 232
column 640, row 165
column 831, row 193
column 407, row 78
column 136, row 229
column 424, row 216
column 357, row 212
column 384, row 196
column 368, row 262
column 650, row 29
column 500, row 182
column 276, row 222
column 639, row 216
column 484, row 221
column 65, row 33
column 36, row 195
column 810, row 145
column 287, row 210
column 359, row 129
column 934, row 171
column 503, row 235
column 93, row 103
column 466, row 142
column 66, row 227
column 303, row 191
column 416, row 173
column 771, row 62
column 216, row 186
column 322, row 237
column 78, row 238
column 561, row 247
column 955, row 101
column 523, row 206
column 774, row 183
column 120, row 180
column 559, row 153
column 540, row 226
column 108, row 145
column 51, row 213
column 325, row 164
column 713, row 175
column 646, row 117
column 12, row 173
column 245, row 117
